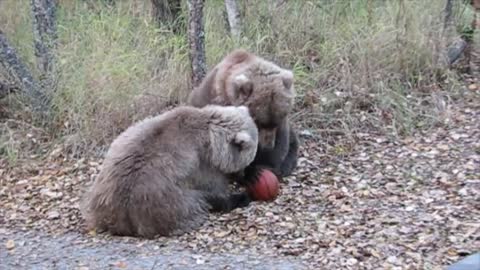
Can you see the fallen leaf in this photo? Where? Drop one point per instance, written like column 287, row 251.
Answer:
column 121, row 264
column 452, row 252
column 53, row 214
column 10, row 244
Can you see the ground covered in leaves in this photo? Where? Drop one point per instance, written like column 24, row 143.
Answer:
column 381, row 203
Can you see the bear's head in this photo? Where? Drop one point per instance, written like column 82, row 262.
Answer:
column 233, row 137
column 266, row 89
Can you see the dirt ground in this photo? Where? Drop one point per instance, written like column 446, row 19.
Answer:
column 379, row 203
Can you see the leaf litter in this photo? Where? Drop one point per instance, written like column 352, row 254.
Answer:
column 391, row 204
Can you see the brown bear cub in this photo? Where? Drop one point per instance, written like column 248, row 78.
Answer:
column 243, row 78
column 164, row 174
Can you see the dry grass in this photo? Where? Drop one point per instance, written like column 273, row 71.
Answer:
column 358, row 64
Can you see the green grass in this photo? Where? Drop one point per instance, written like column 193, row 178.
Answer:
column 17, row 26
column 364, row 63
column 8, row 148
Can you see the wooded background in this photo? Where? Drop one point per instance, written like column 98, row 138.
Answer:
column 88, row 69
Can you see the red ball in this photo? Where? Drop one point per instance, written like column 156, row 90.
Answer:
column 266, row 187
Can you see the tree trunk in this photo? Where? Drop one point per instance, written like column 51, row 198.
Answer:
column 234, row 19
column 16, row 69
column 196, row 36
column 167, row 11
column 447, row 23
column 447, row 55
column 474, row 57
column 45, row 35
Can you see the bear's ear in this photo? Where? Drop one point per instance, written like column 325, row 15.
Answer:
column 241, row 140
column 287, row 79
column 243, row 86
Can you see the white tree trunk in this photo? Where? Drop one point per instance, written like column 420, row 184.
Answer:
column 234, row 19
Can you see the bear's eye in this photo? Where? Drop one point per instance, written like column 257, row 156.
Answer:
column 246, row 89
column 238, row 145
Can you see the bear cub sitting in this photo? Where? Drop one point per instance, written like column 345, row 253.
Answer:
column 164, row 174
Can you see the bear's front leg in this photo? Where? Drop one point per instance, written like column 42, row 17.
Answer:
column 289, row 163
column 222, row 203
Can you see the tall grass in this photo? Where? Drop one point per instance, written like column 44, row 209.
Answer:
column 358, row 64
column 116, row 68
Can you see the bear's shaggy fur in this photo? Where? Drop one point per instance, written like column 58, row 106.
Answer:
column 162, row 175
column 243, row 78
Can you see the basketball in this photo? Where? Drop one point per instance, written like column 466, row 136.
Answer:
column 266, row 188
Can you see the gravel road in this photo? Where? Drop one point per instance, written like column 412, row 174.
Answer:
column 36, row 250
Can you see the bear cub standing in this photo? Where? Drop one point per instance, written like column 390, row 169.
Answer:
column 164, row 174
column 243, row 78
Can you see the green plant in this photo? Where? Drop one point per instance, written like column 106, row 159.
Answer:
column 367, row 63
